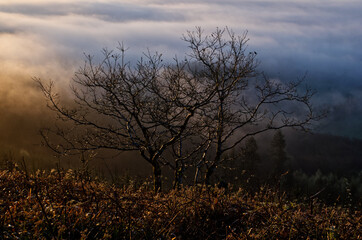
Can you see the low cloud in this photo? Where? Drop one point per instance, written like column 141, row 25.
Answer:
column 47, row 39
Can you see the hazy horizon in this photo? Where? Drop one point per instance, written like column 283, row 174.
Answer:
column 47, row 39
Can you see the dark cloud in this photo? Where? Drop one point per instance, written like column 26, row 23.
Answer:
column 7, row 30
column 127, row 12
column 35, row 9
column 116, row 12
column 345, row 115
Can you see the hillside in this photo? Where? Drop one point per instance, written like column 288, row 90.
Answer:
column 65, row 205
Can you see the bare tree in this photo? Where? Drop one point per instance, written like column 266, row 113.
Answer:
column 244, row 105
column 210, row 101
column 145, row 108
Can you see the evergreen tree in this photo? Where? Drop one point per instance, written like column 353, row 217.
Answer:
column 250, row 157
column 250, row 160
column 278, row 154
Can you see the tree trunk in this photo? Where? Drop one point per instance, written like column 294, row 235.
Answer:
column 210, row 170
column 179, row 171
column 180, row 167
column 208, row 174
column 196, row 177
column 219, row 134
column 157, row 181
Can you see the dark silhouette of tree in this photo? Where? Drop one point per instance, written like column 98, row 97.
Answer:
column 250, row 157
column 278, row 154
column 210, row 101
column 244, row 104
column 145, row 108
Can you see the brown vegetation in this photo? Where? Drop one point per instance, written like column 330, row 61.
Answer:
column 65, row 205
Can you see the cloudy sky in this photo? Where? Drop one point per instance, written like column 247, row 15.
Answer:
column 47, row 39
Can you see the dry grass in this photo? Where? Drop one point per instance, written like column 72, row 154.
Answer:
column 62, row 205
